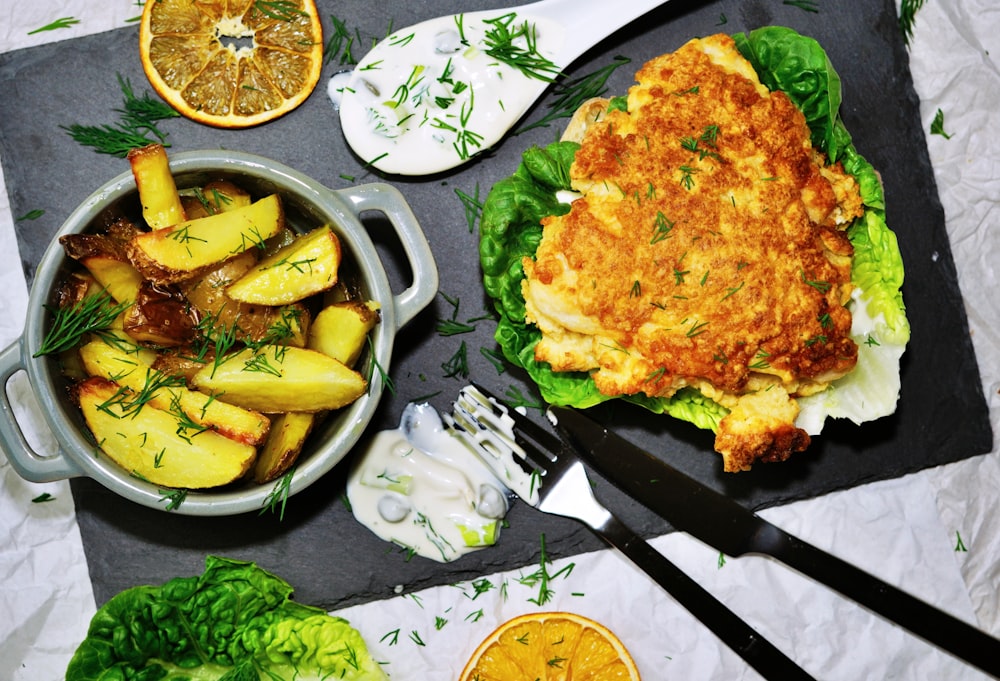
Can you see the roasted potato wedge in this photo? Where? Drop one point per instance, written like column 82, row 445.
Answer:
column 202, row 375
column 218, row 196
column 160, row 315
column 255, row 323
column 161, row 203
column 119, row 277
column 282, row 379
column 340, row 329
column 306, row 266
column 284, row 443
column 104, row 257
column 132, row 370
column 186, row 249
column 149, row 443
column 184, row 362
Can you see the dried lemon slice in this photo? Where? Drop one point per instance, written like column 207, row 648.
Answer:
column 551, row 646
column 235, row 63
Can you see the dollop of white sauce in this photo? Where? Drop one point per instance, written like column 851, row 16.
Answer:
column 422, row 488
column 429, row 97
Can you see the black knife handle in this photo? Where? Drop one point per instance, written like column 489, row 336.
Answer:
column 933, row 625
column 757, row 651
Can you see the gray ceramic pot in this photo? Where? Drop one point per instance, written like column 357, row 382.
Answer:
column 307, row 204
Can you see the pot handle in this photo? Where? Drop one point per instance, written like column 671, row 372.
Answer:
column 28, row 463
column 388, row 200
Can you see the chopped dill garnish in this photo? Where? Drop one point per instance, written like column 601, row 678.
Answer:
column 62, row 22
column 504, row 42
column 907, row 17
column 376, row 366
column 458, row 364
column 807, row 5
column 277, row 498
column 494, row 357
column 174, row 498
column 472, row 205
column 136, row 126
column 821, row 286
column 282, row 10
column 570, row 94
column 260, row 363
column 515, row 399
column 340, row 45
column 70, row 324
column 542, row 578
column 31, row 215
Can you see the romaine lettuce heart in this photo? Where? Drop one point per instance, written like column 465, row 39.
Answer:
column 234, row 622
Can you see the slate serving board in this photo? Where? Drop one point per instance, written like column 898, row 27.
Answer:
column 332, row 560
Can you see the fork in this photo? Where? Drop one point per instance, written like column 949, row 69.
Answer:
column 546, row 473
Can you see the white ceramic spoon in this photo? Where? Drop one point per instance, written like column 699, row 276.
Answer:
column 429, row 97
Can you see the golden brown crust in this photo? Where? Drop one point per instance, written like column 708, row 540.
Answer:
column 707, row 249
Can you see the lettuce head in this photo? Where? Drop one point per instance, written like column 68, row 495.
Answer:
column 234, row 622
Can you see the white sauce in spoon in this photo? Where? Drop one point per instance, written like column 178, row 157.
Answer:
column 420, row 487
column 429, row 97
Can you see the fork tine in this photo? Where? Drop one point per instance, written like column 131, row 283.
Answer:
column 548, row 442
column 505, row 424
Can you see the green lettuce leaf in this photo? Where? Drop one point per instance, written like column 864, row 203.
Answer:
column 798, row 66
column 511, row 230
column 234, row 622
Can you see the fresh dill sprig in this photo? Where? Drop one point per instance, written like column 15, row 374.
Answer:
column 174, row 498
column 130, row 402
column 472, row 205
column 570, row 94
column 282, row 10
column 515, row 399
column 31, row 215
column 542, row 578
column 259, row 363
column 187, row 427
column 452, row 326
column 382, row 373
column 458, row 364
column 216, row 336
column 807, row 5
column 340, row 46
column 143, row 112
column 108, row 139
column 70, row 324
column 494, row 357
column 277, row 498
column 907, row 17
column 503, row 42
column 62, row 22
column 136, row 126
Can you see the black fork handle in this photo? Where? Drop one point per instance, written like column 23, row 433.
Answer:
column 757, row 651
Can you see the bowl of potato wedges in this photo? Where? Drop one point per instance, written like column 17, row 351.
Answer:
column 210, row 332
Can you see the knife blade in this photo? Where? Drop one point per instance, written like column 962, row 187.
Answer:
column 724, row 524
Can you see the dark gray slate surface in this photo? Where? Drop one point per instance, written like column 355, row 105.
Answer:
column 332, row 560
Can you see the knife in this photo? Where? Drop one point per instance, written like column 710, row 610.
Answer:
column 722, row 523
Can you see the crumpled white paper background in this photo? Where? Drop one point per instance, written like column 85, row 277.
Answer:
column 907, row 531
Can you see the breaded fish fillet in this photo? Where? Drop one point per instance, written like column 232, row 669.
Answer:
column 707, row 249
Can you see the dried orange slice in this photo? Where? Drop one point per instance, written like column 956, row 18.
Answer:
column 551, row 646
column 232, row 63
